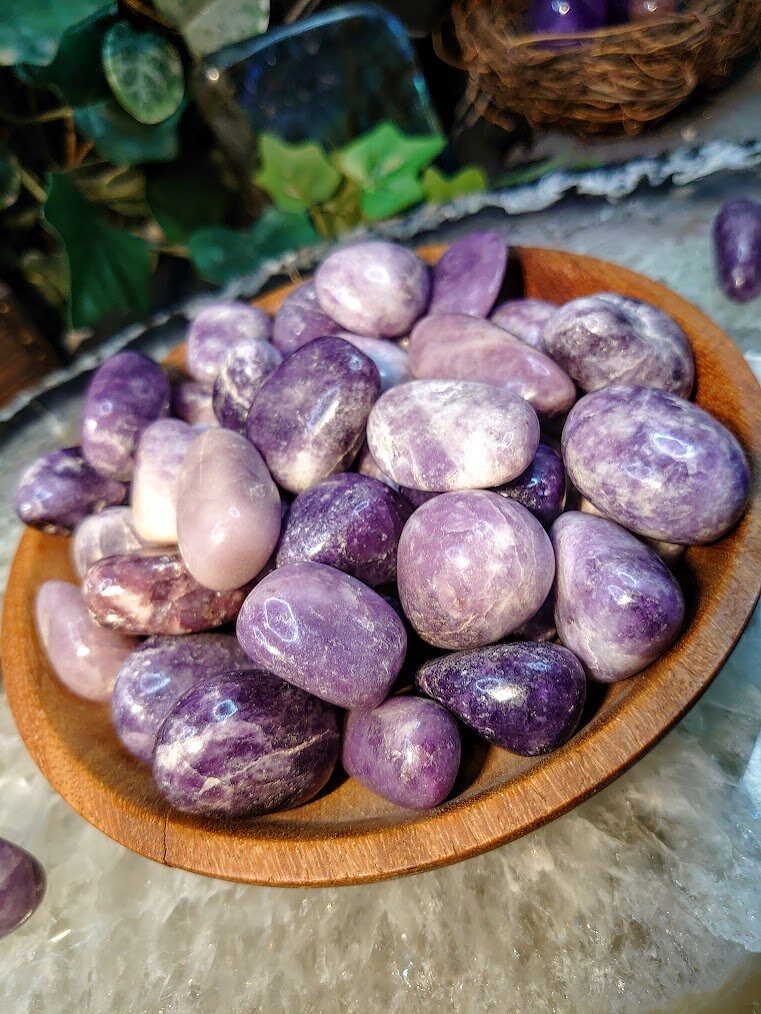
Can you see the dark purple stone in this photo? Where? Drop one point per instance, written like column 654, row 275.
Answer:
column 469, row 275
column 526, row 697
column 541, row 488
column 417, row 497
column 191, row 402
column 566, row 18
column 300, row 320
column 215, row 330
column 525, row 319
column 243, row 371
column 737, row 248
column 60, row 489
column 22, row 886
column 541, row 626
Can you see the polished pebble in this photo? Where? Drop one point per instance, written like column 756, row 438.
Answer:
column 110, row 533
column 216, row 329
column 391, row 360
column 367, row 465
column 541, row 489
column 669, row 552
column 300, row 320
column 243, row 371
column 468, row 276
column 525, row 319
column 22, row 886
column 737, row 249
column 158, row 461
column 541, row 626
column 192, row 402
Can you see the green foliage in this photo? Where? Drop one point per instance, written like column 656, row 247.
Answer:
column 31, row 30
column 120, row 139
column 295, row 176
column 208, row 25
column 182, row 202
column 438, row 189
column 144, row 71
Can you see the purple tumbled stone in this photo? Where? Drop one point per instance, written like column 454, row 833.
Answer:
column 158, row 460
column 737, row 249
column 526, row 697
column 541, row 626
column 60, row 489
column 325, row 632
column 391, row 360
column 669, row 471
column 308, row 417
column 125, row 394
column 417, row 497
column 192, row 402
column 153, row 592
column 440, row 435
column 669, row 552
column 300, row 320
column 110, row 533
column 407, row 750
column 156, row 675
column 84, row 655
column 541, row 489
column 525, row 319
column 471, row 568
column 243, row 371
column 22, row 886
column 468, row 277
column 348, row 521
column 367, row 465
column 245, row 743
column 373, row 288
column 216, row 329
column 617, row 606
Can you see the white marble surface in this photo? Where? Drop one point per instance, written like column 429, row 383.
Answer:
column 648, row 892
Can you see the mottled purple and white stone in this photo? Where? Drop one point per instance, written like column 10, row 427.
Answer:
column 454, row 346
column 670, row 471
column 407, row 750
column 617, row 606
column 391, row 360
column 367, row 465
column 325, row 632
column 216, row 329
column 541, row 489
column 469, row 275
column 610, row 339
column 153, row 592
column 441, row 435
column 245, row 743
column 347, row 521
column 156, row 675
column 471, row 568
column 526, row 697
column 373, row 288
column 110, row 533
column 84, row 656
column 22, row 886
column 192, row 402
column 59, row 489
column 243, row 371
column 228, row 514
column 300, row 320
column 308, row 417
column 525, row 319
column 158, row 461
column 126, row 393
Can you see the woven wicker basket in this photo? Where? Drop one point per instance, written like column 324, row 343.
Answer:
column 615, row 80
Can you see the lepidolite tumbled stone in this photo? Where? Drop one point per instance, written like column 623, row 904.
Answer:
column 391, row 360
column 348, row 521
column 125, row 394
column 373, row 288
column 471, row 568
column 300, row 320
column 85, row 656
column 325, row 632
column 243, row 371
column 670, row 470
column 737, row 248
column 60, row 489
column 525, row 319
column 308, row 417
column 160, row 454
column 541, row 489
column 526, row 697
column 110, row 533
column 192, row 402
column 617, row 606
column 228, row 513
column 468, row 277
column 156, row 675
column 22, row 886
column 407, row 750
column 441, row 435
column 244, row 743
column 153, row 592
column 218, row 328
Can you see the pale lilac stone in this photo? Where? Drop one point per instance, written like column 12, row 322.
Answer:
column 110, row 533
column 541, row 489
column 617, row 606
column 468, row 277
column 228, row 514
column 192, row 402
column 22, row 886
column 127, row 393
column 471, row 568
column 300, row 320
column 243, row 371
column 216, row 329
column 391, row 360
column 669, row 552
column 525, row 319
column 84, row 656
column 407, row 750
column 347, row 521
column 325, row 632
column 457, row 347
column 158, row 461
column 441, row 435
column 308, row 417
column 367, row 465
column 59, row 489
column 156, row 675
column 153, row 592
column 610, row 339
column 245, row 743
column 670, row 471
column 373, row 288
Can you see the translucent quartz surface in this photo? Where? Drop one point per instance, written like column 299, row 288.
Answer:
column 647, row 893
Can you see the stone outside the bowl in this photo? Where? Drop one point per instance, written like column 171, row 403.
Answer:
column 22, row 886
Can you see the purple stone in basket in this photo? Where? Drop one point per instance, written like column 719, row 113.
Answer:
column 158, row 462
column 22, row 886
column 243, row 371
column 218, row 328
column 110, row 533
column 191, row 402
column 300, row 320
column 525, row 319
column 391, row 360
column 737, row 247
column 469, row 275
column 541, row 489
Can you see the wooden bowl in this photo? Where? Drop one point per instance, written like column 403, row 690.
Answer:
column 347, row 835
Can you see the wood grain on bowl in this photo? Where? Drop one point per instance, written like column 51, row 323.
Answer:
column 347, row 835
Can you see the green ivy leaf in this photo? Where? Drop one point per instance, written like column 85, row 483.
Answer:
column 144, row 71
column 122, row 140
column 385, row 151
column 184, row 198
column 342, row 212
column 439, row 189
column 31, row 30
column 108, row 268
column 208, row 25
column 390, row 196
column 220, row 255
column 295, row 176
column 10, row 180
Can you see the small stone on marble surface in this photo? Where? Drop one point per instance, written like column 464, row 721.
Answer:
column 737, row 248
column 300, row 320
column 192, row 402
column 158, row 461
column 216, row 329
column 243, row 371
column 525, row 319
column 110, row 533
column 391, row 360
column 541, row 489
column 22, row 886
column 468, row 276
